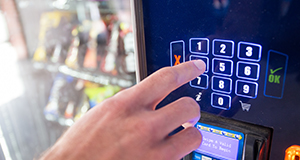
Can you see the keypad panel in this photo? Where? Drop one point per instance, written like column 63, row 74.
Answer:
column 230, row 70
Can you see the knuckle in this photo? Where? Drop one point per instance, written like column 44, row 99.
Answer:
column 191, row 104
column 145, row 128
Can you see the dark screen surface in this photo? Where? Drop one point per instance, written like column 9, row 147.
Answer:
column 251, row 48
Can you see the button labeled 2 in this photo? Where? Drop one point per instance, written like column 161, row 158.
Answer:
column 221, row 84
column 223, row 48
column 222, row 67
column 200, row 82
column 199, row 46
column 221, row 101
column 249, row 51
column 248, row 70
column 246, row 89
column 177, row 52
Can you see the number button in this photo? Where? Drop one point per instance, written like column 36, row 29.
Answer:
column 200, row 82
column 199, row 46
column 222, row 67
column 221, row 84
column 223, row 48
column 249, row 51
column 177, row 52
column 246, row 89
column 221, row 101
column 248, row 70
column 204, row 59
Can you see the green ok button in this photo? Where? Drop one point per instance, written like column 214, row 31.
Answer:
column 275, row 74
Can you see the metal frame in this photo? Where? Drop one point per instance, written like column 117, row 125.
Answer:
column 139, row 39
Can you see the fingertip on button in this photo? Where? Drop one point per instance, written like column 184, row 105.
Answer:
column 200, row 65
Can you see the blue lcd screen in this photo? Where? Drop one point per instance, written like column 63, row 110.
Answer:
column 219, row 143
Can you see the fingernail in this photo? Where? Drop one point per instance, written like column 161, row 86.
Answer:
column 199, row 64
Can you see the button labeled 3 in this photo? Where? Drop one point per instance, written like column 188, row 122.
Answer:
column 249, row 51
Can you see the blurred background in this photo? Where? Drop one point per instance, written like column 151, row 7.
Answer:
column 58, row 59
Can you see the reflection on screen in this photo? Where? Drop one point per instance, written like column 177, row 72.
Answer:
column 219, row 143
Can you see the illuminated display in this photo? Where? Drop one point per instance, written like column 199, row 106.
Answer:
column 222, row 82
column 219, row 143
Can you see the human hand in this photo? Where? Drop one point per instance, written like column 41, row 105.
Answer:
column 127, row 126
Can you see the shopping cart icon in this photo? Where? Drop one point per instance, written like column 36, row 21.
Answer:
column 245, row 106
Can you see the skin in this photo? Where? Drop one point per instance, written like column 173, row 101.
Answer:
column 127, row 126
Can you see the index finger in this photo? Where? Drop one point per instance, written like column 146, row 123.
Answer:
column 158, row 85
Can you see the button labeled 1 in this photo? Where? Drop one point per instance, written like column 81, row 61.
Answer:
column 204, row 59
column 177, row 52
column 221, row 84
column 246, row 89
column 200, row 82
column 221, row 101
column 223, row 48
column 248, row 70
column 199, row 46
column 249, row 51
column 222, row 67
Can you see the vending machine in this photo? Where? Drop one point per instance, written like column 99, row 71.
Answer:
column 250, row 92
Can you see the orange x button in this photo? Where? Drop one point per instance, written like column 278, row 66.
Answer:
column 177, row 58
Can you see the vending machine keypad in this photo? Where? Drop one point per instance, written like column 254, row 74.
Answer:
column 222, row 68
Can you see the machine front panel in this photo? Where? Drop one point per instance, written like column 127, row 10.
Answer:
column 251, row 49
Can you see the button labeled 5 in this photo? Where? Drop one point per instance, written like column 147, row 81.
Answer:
column 222, row 67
